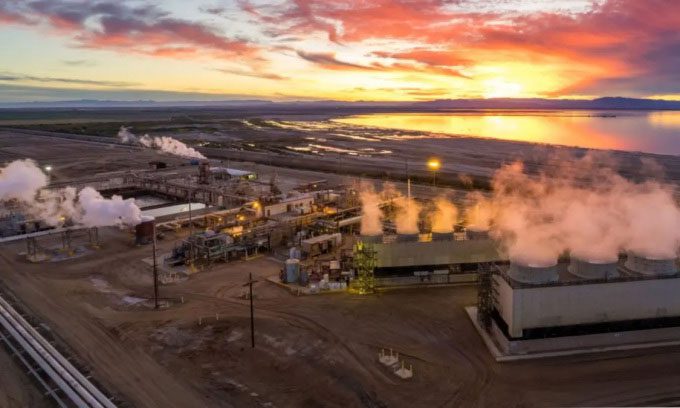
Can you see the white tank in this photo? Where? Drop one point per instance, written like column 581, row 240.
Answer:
column 292, row 270
column 591, row 269
column 533, row 274
column 650, row 266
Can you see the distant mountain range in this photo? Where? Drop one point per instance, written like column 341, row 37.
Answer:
column 613, row 103
column 538, row 103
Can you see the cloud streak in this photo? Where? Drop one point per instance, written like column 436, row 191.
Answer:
column 122, row 27
column 74, row 81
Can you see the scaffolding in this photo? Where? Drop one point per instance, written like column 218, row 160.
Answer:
column 484, row 295
column 364, row 264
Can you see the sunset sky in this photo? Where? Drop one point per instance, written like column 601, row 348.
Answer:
column 332, row 49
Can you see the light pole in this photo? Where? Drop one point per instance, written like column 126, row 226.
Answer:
column 434, row 164
column 48, row 170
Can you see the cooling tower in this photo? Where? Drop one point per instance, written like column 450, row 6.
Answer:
column 474, row 233
column 650, row 266
column 372, row 239
column 442, row 236
column 408, row 237
column 592, row 269
column 533, row 274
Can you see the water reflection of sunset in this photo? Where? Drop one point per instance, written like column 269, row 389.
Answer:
column 651, row 132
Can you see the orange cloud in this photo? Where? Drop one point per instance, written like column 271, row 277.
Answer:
column 617, row 44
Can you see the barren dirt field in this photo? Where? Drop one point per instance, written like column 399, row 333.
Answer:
column 310, row 351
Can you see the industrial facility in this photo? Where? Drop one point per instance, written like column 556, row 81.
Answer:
column 580, row 304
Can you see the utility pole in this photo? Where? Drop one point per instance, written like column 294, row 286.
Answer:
column 252, row 310
column 191, row 222
column 155, row 270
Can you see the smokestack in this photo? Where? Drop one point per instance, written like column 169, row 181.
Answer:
column 533, row 274
column 648, row 266
column 593, row 269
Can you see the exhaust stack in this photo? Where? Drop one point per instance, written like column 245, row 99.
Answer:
column 593, row 269
column 533, row 274
column 651, row 266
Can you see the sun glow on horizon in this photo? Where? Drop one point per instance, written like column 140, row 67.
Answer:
column 500, row 88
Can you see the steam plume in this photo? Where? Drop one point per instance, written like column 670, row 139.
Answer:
column 478, row 215
column 99, row 211
column 406, row 219
column 23, row 183
column 445, row 215
column 164, row 143
column 371, row 220
column 584, row 207
column 21, row 180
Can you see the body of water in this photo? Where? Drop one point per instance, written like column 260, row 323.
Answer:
column 651, row 132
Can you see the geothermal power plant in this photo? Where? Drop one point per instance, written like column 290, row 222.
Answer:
column 197, row 261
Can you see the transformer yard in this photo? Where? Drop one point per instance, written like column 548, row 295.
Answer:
column 350, row 310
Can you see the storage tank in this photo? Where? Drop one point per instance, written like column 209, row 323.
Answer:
column 372, row 239
column 292, row 270
column 651, row 266
column 533, row 273
column 144, row 230
column 593, row 269
column 294, row 253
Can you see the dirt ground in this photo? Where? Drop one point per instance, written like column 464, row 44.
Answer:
column 310, row 351
column 16, row 390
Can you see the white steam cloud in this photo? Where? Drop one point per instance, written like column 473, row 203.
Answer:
column 20, row 180
column 371, row 215
column 582, row 206
column 22, row 183
column 98, row 210
column 163, row 143
column 445, row 215
column 408, row 212
column 478, row 216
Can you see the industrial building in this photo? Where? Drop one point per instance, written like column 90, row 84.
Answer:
column 431, row 258
column 580, row 304
column 296, row 204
